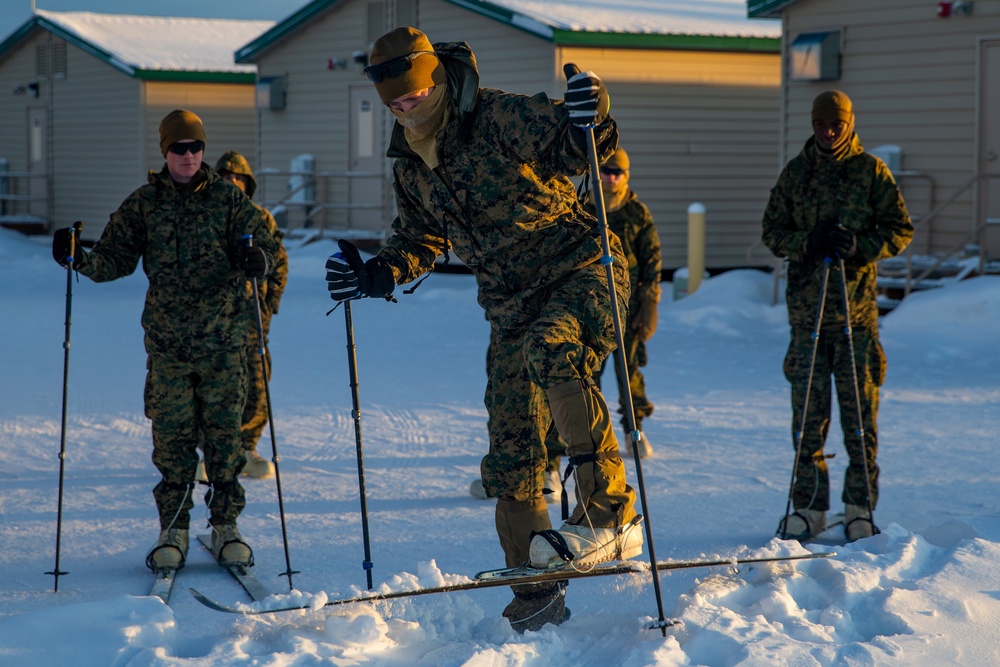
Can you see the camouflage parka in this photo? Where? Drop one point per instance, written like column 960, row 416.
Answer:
column 857, row 190
column 273, row 286
column 500, row 198
column 190, row 247
column 633, row 225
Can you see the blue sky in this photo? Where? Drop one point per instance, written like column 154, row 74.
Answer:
column 16, row 12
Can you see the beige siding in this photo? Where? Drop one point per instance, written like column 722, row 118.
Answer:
column 698, row 127
column 95, row 130
column 912, row 78
column 104, row 127
column 17, row 69
column 315, row 118
column 226, row 110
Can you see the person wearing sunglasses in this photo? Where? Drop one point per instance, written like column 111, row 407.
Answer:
column 486, row 174
column 187, row 227
column 632, row 222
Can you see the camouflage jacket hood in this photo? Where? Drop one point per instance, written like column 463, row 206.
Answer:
column 860, row 193
column 190, row 246
column 500, row 198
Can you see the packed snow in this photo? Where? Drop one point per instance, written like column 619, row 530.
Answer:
column 925, row 592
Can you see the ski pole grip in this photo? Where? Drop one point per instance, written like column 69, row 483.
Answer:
column 569, row 69
column 74, row 239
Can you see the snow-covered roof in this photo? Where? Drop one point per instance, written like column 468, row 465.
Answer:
column 708, row 24
column 153, row 46
column 706, row 18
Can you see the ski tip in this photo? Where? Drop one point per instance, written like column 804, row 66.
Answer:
column 212, row 604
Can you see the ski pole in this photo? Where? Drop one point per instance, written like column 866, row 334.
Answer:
column 262, row 353
column 620, row 363
column 809, row 380
column 857, row 396
column 74, row 239
column 352, row 363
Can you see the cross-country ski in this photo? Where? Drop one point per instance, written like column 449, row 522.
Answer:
column 512, row 577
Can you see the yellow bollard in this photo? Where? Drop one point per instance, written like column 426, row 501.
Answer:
column 696, row 246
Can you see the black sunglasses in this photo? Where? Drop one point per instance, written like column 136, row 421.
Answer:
column 390, row 69
column 178, row 148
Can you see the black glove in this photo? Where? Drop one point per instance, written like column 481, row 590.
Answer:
column 347, row 276
column 843, row 242
column 586, row 98
column 64, row 244
column 254, row 262
column 818, row 241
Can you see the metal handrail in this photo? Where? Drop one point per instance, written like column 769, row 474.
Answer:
column 315, row 179
column 975, row 233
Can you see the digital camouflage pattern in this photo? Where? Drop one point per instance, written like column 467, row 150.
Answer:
column 190, row 403
column 633, row 224
column 501, row 200
column 269, row 290
column 190, row 247
column 190, row 241
column 833, row 357
column 859, row 192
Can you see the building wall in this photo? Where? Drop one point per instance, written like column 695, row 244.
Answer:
column 698, row 127
column 913, row 79
column 315, row 118
column 95, row 118
column 226, row 110
column 103, row 126
column 701, row 127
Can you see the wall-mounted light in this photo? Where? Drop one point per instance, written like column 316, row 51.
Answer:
column 360, row 60
column 336, row 63
column 33, row 88
column 961, row 7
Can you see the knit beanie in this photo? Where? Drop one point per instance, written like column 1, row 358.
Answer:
column 833, row 105
column 426, row 71
column 618, row 160
column 179, row 125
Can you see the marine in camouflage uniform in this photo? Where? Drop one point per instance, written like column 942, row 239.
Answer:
column 483, row 172
column 834, row 182
column 630, row 220
column 269, row 290
column 189, row 237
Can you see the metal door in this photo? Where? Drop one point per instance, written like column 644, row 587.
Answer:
column 38, row 161
column 366, row 159
column 989, row 146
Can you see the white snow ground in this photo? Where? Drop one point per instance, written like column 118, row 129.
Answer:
column 926, row 592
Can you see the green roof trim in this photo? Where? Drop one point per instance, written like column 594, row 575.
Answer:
column 252, row 51
column 188, row 76
column 766, row 9
column 41, row 23
column 649, row 41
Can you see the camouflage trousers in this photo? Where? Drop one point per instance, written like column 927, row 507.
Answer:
column 194, row 403
column 567, row 342
column 811, row 489
column 255, row 410
column 635, row 358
